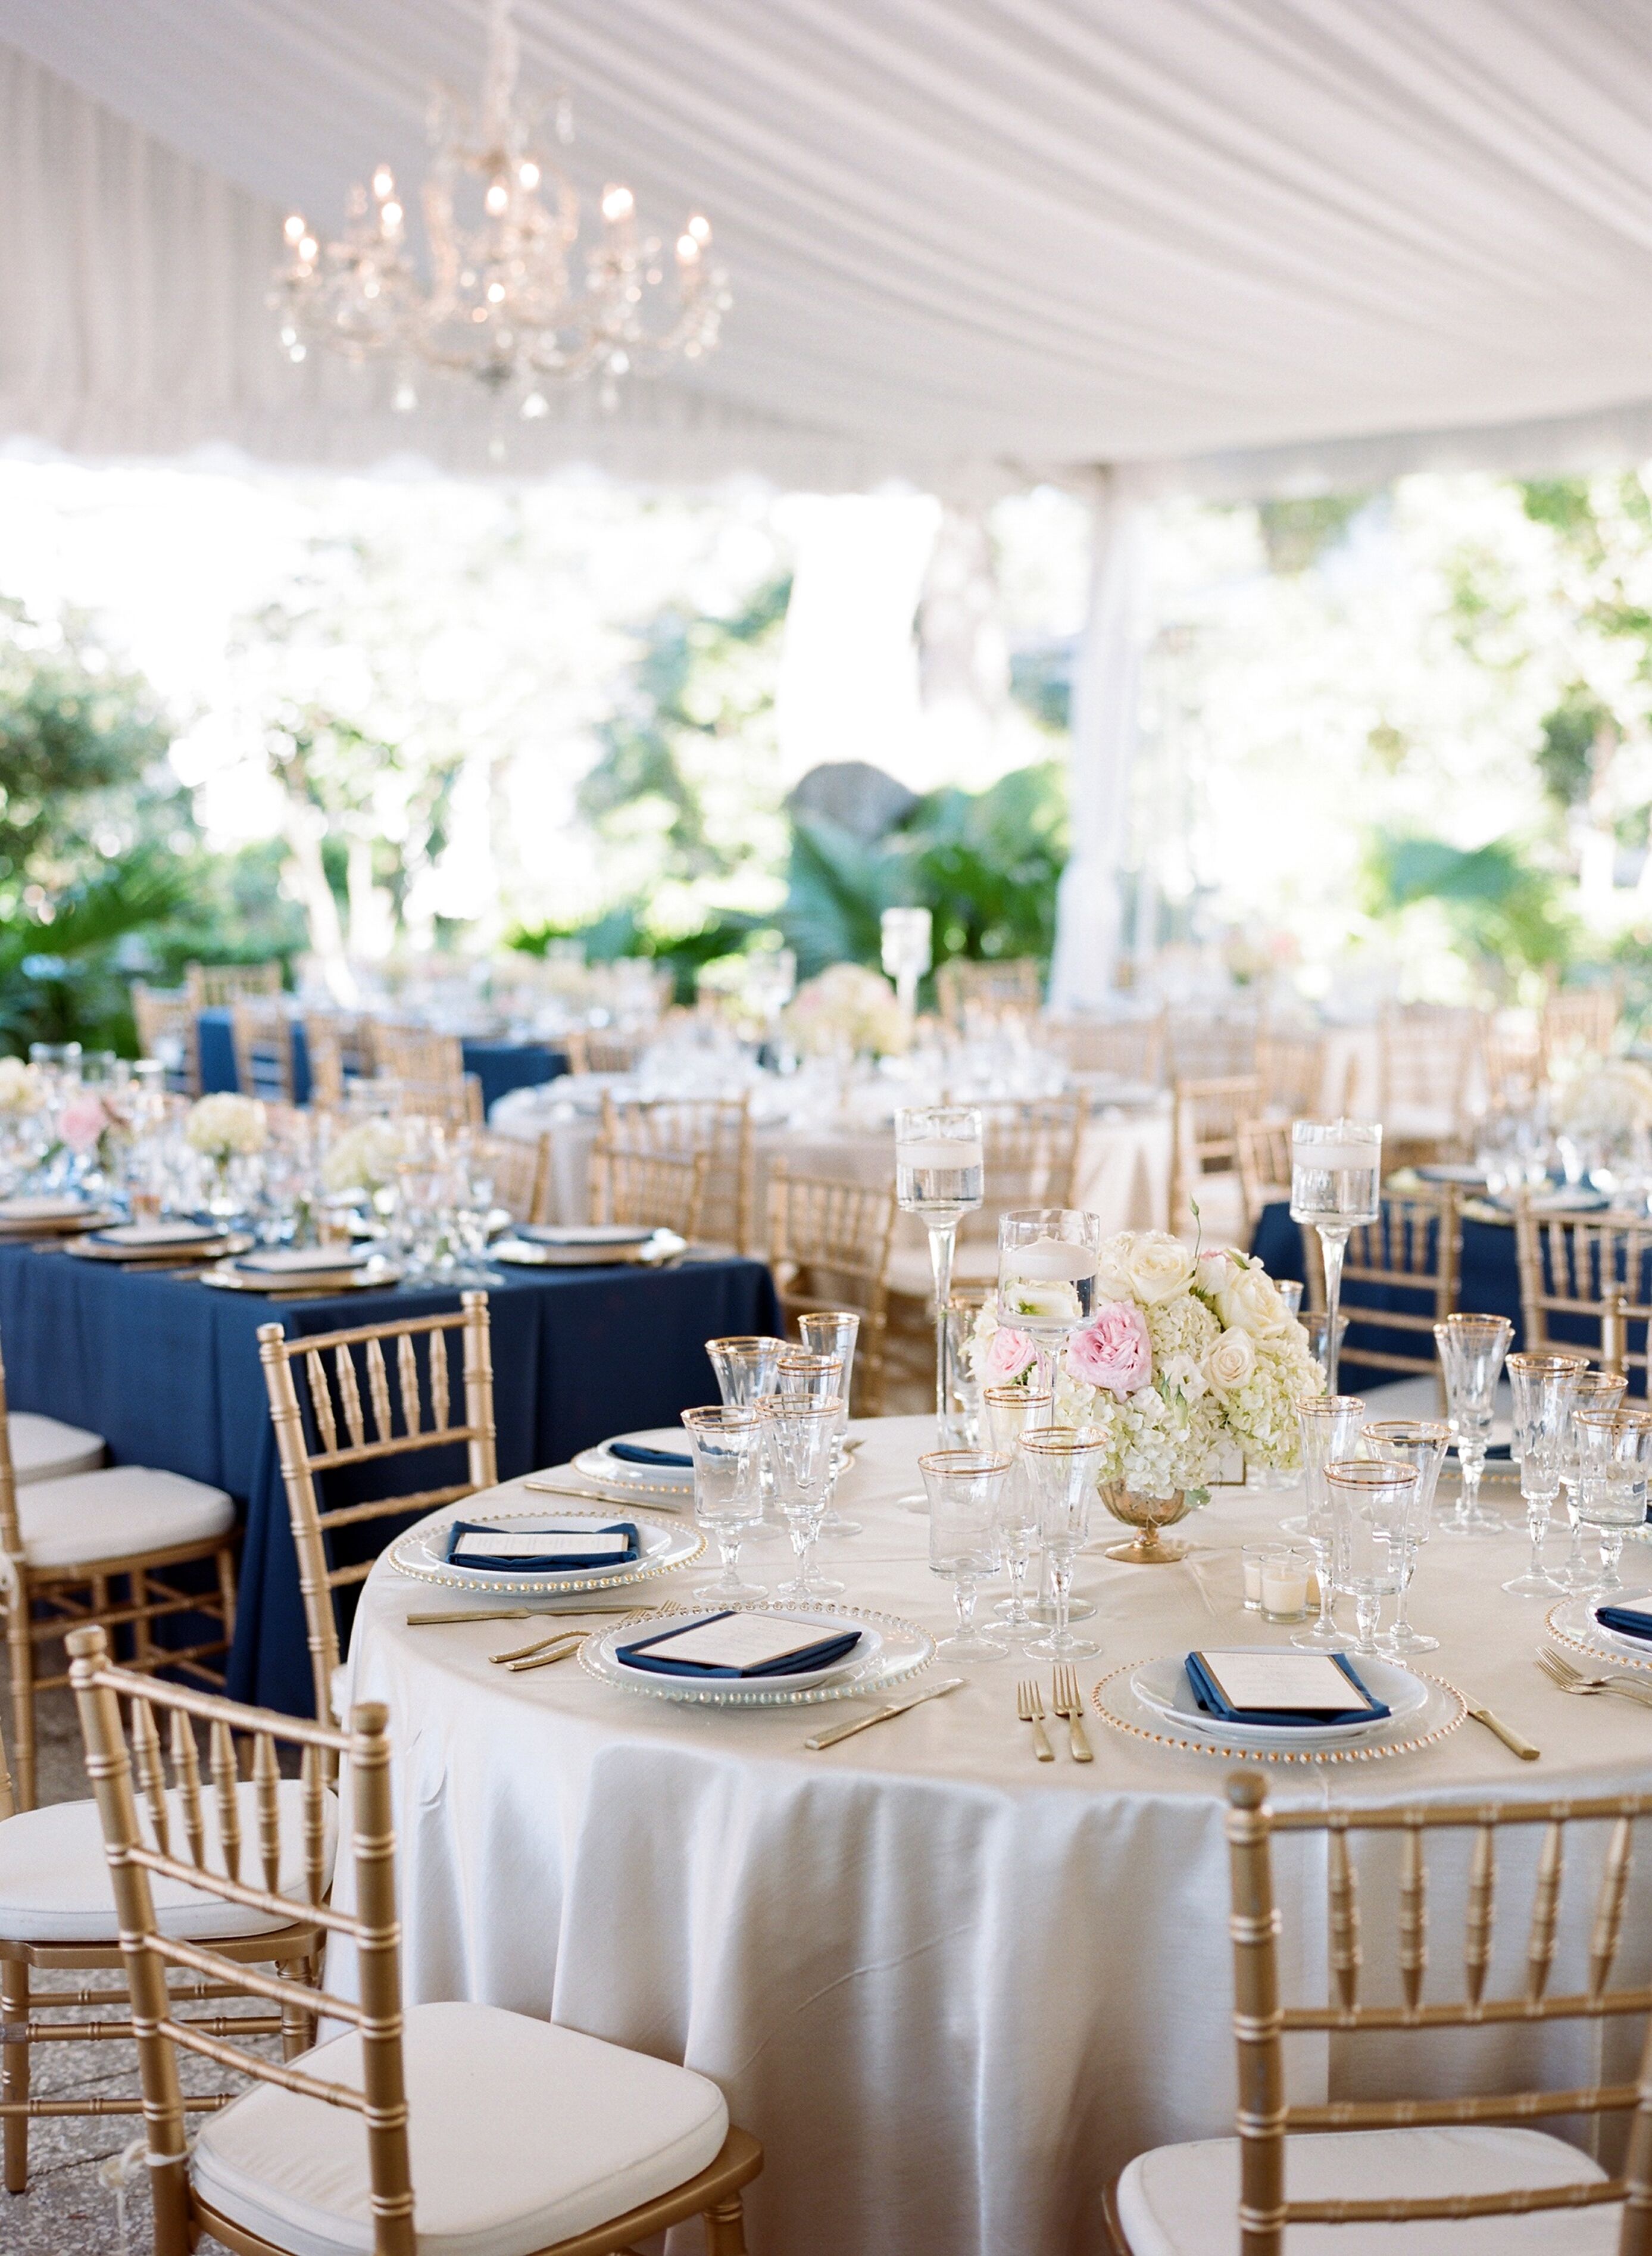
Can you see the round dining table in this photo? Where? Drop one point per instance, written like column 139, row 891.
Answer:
column 952, row 1988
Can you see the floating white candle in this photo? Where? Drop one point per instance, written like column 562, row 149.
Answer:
column 1050, row 1257
column 939, row 1152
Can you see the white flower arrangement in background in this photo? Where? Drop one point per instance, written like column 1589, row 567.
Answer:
column 847, row 1007
column 366, row 1158
column 19, row 1086
column 226, row 1127
column 1183, row 1357
column 1614, row 1099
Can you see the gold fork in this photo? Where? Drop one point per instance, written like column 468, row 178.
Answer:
column 1068, row 1703
column 555, row 1636
column 566, row 1647
column 1029, row 1709
column 1561, row 1673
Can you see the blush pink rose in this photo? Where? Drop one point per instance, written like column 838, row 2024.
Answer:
column 1008, row 1353
column 81, row 1123
column 1113, row 1350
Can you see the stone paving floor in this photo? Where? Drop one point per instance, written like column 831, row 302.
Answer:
column 66, row 2211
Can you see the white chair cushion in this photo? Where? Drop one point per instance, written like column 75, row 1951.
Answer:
column 520, row 2134
column 119, row 1512
column 44, row 1449
column 54, row 1881
column 1184, row 2200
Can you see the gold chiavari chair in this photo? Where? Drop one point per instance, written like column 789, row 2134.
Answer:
column 829, row 1248
column 658, row 1190
column 1415, row 1247
column 215, row 986
column 1202, row 1045
column 1369, row 2161
column 1292, row 1068
column 1015, row 983
column 1132, row 1048
column 1512, row 1060
column 166, row 1030
column 70, row 1541
column 592, row 1051
column 341, row 1048
column 1030, row 1150
column 415, row 1054
column 719, row 1126
column 262, row 1032
column 1426, row 1054
column 474, row 2126
column 1579, row 1022
column 1264, row 1160
column 520, row 1172
column 56, row 1915
column 1586, row 1286
column 456, row 1104
column 350, row 1412
column 1208, row 1118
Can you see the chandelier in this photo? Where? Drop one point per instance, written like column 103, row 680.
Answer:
column 502, row 304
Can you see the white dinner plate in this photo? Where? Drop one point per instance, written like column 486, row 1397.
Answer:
column 303, row 1260
column 42, row 1207
column 1573, row 1622
column 1163, row 1687
column 664, row 1543
column 655, row 1246
column 600, row 1464
column 871, row 1644
column 889, row 1650
column 141, row 1234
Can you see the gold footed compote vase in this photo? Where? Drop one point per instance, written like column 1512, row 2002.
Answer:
column 1146, row 1514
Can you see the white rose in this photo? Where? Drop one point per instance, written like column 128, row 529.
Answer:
column 1230, row 1362
column 1251, row 1304
column 1158, row 1267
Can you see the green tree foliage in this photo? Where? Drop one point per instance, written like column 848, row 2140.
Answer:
column 1504, row 912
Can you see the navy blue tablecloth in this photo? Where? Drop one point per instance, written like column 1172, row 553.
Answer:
column 167, row 1370
column 499, row 1066
column 1488, row 1285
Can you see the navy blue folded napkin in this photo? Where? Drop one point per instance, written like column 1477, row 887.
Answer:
column 1214, row 1702
column 633, row 1453
column 821, row 1653
column 1626, row 1620
column 528, row 1562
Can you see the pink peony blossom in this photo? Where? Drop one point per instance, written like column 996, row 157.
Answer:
column 1008, row 1353
column 82, row 1122
column 1113, row 1350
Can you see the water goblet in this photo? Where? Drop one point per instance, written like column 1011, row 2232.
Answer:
column 1544, row 1386
column 1374, row 1500
column 1329, row 1425
column 1062, row 1463
column 1597, row 1390
column 907, row 938
column 964, row 1488
column 939, row 1176
column 744, row 1366
column 1472, row 1348
column 1336, row 1183
column 1421, row 1443
column 835, row 1331
column 1009, row 1411
column 1611, row 1496
column 798, row 1435
column 726, row 1445
column 815, row 1378
column 1047, row 1259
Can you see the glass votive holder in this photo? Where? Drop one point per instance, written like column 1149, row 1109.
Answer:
column 1251, row 1559
column 1286, row 1578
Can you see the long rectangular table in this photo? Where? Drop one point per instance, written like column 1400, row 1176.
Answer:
column 500, row 1066
column 167, row 1370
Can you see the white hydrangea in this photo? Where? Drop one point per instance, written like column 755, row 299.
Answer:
column 225, row 1127
column 364, row 1159
column 19, row 1086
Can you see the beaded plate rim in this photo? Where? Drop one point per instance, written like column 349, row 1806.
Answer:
column 721, row 1695
column 1363, row 1752
column 523, row 1586
column 1611, row 1653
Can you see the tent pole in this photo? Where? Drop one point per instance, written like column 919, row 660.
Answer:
column 1106, row 674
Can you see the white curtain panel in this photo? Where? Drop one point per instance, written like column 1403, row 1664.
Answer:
column 971, row 239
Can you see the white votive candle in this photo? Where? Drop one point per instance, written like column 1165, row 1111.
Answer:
column 1252, row 1579
column 1051, row 1257
column 1284, row 1586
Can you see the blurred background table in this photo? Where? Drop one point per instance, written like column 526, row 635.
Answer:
column 499, row 1065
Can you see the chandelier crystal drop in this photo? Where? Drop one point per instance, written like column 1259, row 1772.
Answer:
column 502, row 304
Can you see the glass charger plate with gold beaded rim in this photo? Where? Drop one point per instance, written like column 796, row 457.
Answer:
column 1572, row 1622
column 1442, row 1712
column 901, row 1651
column 667, row 1544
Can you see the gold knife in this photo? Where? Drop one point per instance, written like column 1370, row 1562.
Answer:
column 1499, row 1729
column 523, row 1613
column 882, row 1715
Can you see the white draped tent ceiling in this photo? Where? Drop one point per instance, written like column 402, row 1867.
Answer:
column 971, row 240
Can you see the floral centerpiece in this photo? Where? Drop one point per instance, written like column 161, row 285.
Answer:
column 1186, row 1357
column 224, row 1129
column 847, row 1007
column 1614, row 1099
column 20, row 1089
column 364, row 1161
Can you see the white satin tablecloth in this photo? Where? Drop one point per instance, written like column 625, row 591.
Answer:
column 951, row 1990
